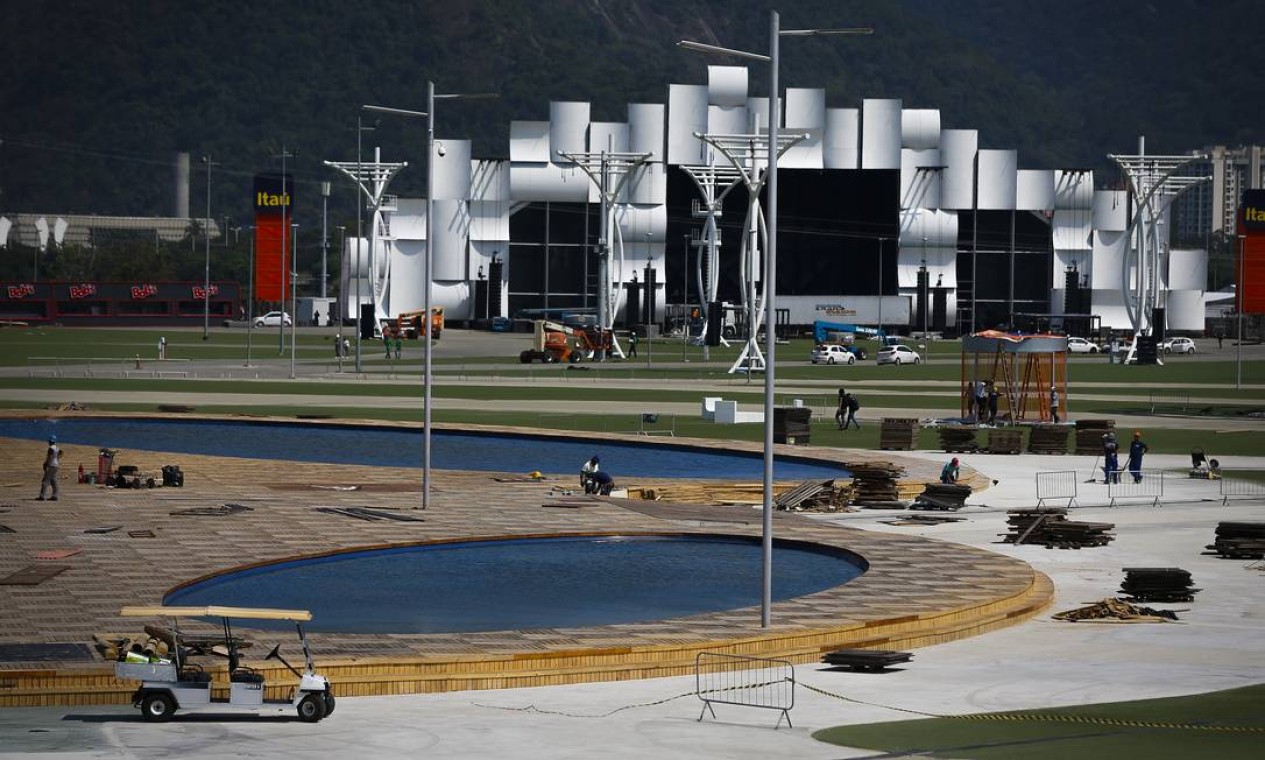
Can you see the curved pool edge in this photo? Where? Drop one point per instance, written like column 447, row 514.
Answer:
column 975, row 590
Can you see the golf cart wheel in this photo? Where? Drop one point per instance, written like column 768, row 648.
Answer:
column 312, row 708
column 329, row 704
column 158, row 707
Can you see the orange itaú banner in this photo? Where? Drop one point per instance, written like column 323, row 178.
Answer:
column 1250, row 269
column 274, row 196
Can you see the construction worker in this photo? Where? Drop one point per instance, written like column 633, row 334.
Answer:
column 950, row 472
column 587, row 471
column 52, row 463
column 602, row 483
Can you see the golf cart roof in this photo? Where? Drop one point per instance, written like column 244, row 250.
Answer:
column 256, row 613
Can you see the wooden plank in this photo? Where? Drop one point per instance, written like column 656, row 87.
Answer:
column 33, row 575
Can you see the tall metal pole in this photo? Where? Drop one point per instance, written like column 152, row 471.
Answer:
column 250, row 300
column 325, row 186
column 360, row 212
column 206, row 232
column 770, row 322
column 880, row 288
column 285, row 228
column 1239, row 296
column 427, row 325
column 294, row 294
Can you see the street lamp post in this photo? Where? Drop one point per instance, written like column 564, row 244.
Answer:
column 770, row 273
column 285, row 227
column 250, row 297
column 1239, row 296
column 325, row 187
column 294, row 295
column 881, row 242
column 425, row 333
column 206, row 232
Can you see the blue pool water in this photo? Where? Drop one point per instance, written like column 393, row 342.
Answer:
column 399, row 447
column 514, row 584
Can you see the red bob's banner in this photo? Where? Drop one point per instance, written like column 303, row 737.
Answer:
column 274, row 213
column 1250, row 272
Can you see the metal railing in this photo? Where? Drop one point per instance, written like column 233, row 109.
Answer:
column 653, row 423
column 730, row 679
column 1241, row 488
column 1057, row 484
column 1139, row 484
column 1170, row 398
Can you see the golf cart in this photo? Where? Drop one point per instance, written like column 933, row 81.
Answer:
column 183, row 685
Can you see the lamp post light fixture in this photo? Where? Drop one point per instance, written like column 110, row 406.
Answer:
column 425, row 332
column 206, row 232
column 770, row 274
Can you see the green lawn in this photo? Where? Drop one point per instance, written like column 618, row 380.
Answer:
column 1227, row 725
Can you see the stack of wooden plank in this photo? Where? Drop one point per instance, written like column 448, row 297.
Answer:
column 1115, row 610
column 1089, row 435
column 951, row 496
column 867, row 660
column 959, row 439
column 1157, row 584
column 1048, row 439
column 1240, row 540
column 874, row 485
column 899, row 434
column 1052, row 528
column 1005, row 441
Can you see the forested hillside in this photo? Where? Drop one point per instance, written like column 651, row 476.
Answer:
column 95, row 98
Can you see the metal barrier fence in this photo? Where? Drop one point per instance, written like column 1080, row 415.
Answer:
column 653, row 423
column 1059, row 484
column 1241, row 488
column 1169, row 398
column 730, row 679
column 1145, row 484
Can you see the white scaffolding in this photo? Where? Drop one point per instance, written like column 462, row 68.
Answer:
column 372, row 179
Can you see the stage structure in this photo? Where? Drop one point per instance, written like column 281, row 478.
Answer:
column 1025, row 369
column 749, row 156
column 610, row 172
column 710, row 179
column 1153, row 185
column 372, row 180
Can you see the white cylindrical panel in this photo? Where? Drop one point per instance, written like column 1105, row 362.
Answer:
column 642, row 224
column 1080, row 259
column 726, row 85
column 490, row 181
column 1073, row 189
column 805, row 109
column 1185, row 310
column 1109, row 306
column 452, row 230
column 1072, row 229
column 1111, row 210
column 355, row 258
column 453, row 169
column 758, row 115
column 455, row 297
column 1187, row 269
column 408, row 220
column 648, row 185
column 920, row 128
column 1109, row 252
column 408, row 273
column 958, row 148
column 880, row 134
column 938, row 228
column 727, row 120
column 1035, row 190
column 941, row 263
column 646, row 129
column 841, row 148
column 529, row 141
column 609, row 136
column 568, row 127
column 919, row 178
column 549, row 182
column 805, row 154
column 687, row 114
column 998, row 175
column 489, row 220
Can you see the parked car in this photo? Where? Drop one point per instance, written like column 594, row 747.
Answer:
column 898, row 355
column 830, row 353
column 1178, row 346
column 273, row 318
column 1082, row 346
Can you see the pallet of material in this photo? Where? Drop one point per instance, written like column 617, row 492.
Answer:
column 1240, row 540
column 876, row 486
column 948, row 496
column 1115, row 611
column 959, row 439
column 1157, row 584
column 1048, row 439
column 865, row 660
column 1005, row 441
column 1052, row 528
column 898, row 434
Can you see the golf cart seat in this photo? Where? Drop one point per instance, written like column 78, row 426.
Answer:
column 245, row 675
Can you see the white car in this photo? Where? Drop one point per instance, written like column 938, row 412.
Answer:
column 273, row 318
column 1179, row 346
column 1082, row 346
column 829, row 353
column 898, row 355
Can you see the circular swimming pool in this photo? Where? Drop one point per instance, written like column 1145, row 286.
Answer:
column 514, row 584
column 401, row 447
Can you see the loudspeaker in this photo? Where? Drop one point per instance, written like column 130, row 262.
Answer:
column 366, row 321
column 1158, row 328
column 715, row 315
column 1147, row 350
